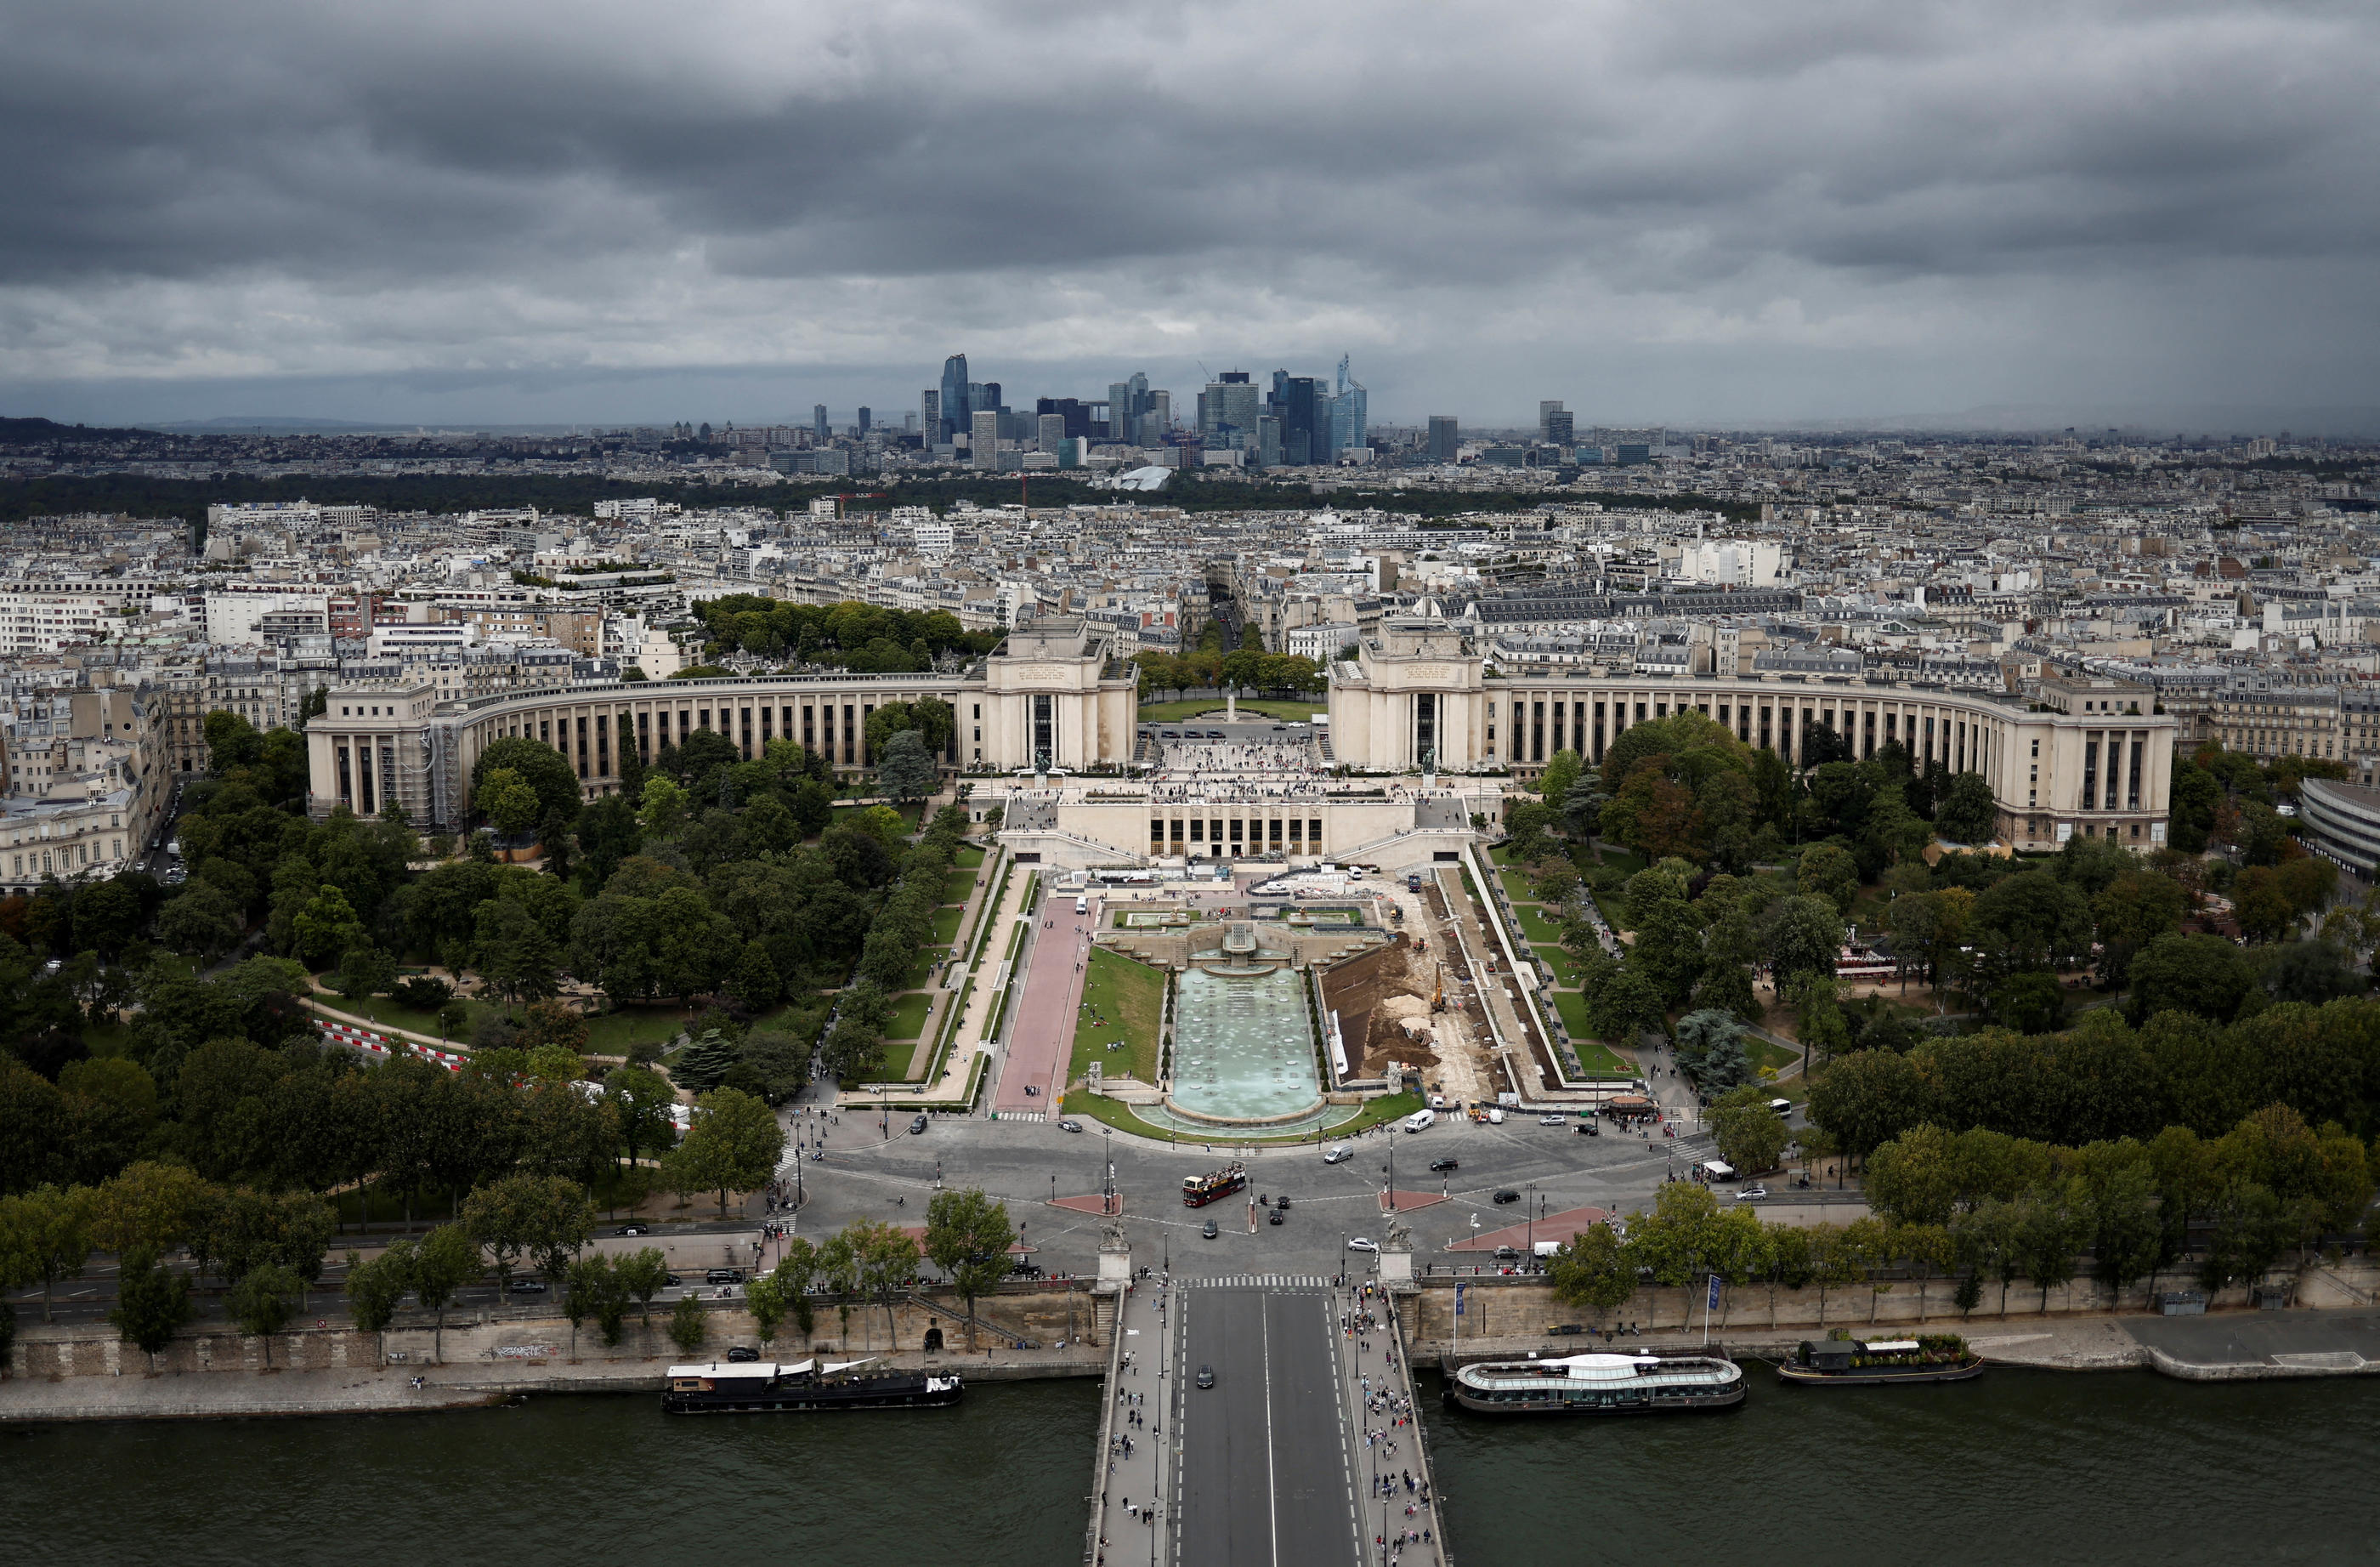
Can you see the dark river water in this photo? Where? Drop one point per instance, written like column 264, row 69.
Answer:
column 2018, row 1467
column 2103, row 1468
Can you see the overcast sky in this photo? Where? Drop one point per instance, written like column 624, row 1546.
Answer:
column 1690, row 210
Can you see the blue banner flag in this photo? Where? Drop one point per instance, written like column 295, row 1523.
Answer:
column 1458, row 1300
column 1712, row 1303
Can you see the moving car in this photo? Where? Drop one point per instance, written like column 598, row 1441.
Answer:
column 917, row 1126
column 1421, row 1121
column 1210, row 1231
column 1070, row 1125
column 529, row 1286
column 1507, row 1196
column 1273, row 1218
column 1338, row 1154
column 1361, row 1244
column 743, row 1354
column 1549, row 1120
column 1206, row 1375
column 1026, row 1267
column 1781, row 1106
column 1440, row 1166
column 633, row 1230
column 1508, row 1254
column 1752, row 1194
column 724, row 1276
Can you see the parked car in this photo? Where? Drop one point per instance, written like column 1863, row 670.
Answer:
column 1208, row 1230
column 742, row 1354
column 1361, row 1244
column 1441, row 1166
column 916, row 1126
column 1206, row 1375
column 1070, row 1125
column 1549, row 1120
column 529, row 1286
column 1507, row 1196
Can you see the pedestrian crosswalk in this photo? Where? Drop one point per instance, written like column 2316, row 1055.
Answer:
column 1022, row 1114
column 1258, row 1280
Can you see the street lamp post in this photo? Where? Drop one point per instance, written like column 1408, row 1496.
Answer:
column 1530, row 1207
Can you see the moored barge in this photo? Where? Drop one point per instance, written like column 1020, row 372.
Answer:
column 1598, row 1384
column 763, row 1387
column 1930, row 1357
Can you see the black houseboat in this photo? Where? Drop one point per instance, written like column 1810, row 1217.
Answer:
column 759, row 1386
column 1931, row 1357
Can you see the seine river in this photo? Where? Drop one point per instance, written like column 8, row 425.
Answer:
column 2020, row 1468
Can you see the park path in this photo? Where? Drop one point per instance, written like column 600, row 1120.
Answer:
column 1041, row 1037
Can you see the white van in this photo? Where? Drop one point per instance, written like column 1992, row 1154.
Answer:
column 1494, row 1116
column 1421, row 1121
column 1082, row 905
column 1545, row 1249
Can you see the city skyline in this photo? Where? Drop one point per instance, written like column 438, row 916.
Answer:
column 1704, row 215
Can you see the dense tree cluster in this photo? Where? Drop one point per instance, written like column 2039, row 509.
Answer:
column 864, row 639
column 1242, row 669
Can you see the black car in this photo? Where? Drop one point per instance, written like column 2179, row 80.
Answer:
column 917, row 1126
column 1508, row 1254
column 724, row 1276
column 1440, row 1166
column 1026, row 1269
column 1589, row 1129
column 1206, row 1375
column 1274, row 1218
column 633, row 1230
column 1507, row 1196
column 742, row 1354
column 1281, row 1202
column 1210, row 1231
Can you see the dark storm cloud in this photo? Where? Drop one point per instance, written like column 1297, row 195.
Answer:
column 260, row 190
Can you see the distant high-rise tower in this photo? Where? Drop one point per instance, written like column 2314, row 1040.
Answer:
column 1545, row 411
column 1560, row 430
column 983, row 441
column 956, row 407
column 1443, row 437
column 866, row 420
column 818, row 421
column 1050, row 432
column 1350, row 413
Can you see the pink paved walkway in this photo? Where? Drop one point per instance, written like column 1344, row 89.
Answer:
column 1095, row 1203
column 1406, row 1200
column 1552, row 1227
column 1041, row 1036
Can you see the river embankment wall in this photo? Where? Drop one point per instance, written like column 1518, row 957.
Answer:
column 86, row 1370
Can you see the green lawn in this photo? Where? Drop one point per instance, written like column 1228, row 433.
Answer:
column 957, row 885
column 1594, row 1058
column 1516, row 886
column 1764, row 1054
column 1174, row 713
column 968, row 857
column 921, row 973
column 946, row 924
column 909, row 1015
column 1565, row 971
column 613, row 1033
column 1128, row 999
column 1535, row 926
column 1625, row 861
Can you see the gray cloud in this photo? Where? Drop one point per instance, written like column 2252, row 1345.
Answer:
column 1691, row 211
